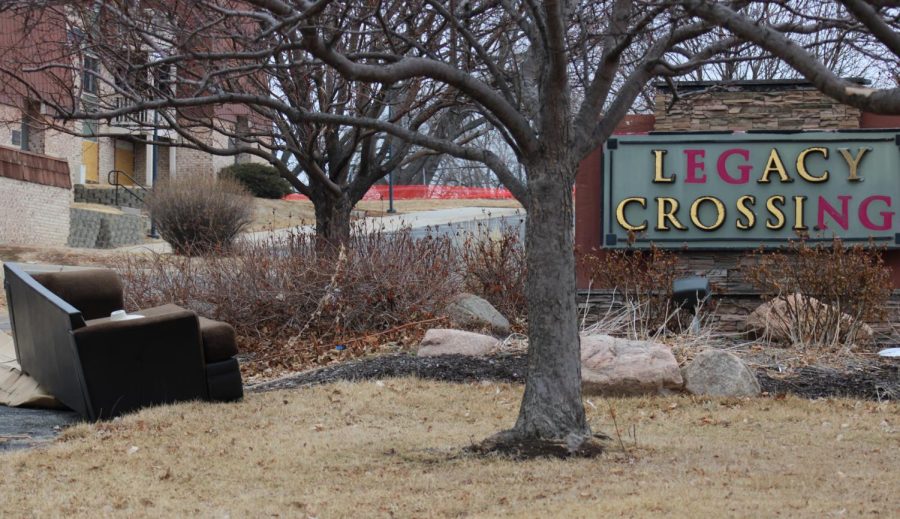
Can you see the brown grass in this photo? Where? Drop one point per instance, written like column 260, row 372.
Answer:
column 279, row 214
column 60, row 255
column 393, row 448
column 55, row 256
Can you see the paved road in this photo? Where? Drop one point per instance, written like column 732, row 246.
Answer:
column 22, row 428
column 489, row 226
column 444, row 221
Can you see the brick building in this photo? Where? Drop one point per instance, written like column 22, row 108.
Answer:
column 120, row 144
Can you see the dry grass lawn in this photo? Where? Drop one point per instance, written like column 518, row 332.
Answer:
column 279, row 214
column 393, row 448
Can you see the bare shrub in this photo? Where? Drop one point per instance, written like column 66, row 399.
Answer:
column 825, row 292
column 641, row 281
column 494, row 268
column 198, row 215
column 624, row 320
column 292, row 304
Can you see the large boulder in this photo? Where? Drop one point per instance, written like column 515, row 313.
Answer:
column 443, row 341
column 782, row 318
column 472, row 312
column 613, row 366
column 719, row 373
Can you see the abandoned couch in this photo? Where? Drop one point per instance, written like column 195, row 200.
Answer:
column 64, row 338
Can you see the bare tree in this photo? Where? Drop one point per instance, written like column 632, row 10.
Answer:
column 866, row 29
column 209, row 75
column 551, row 79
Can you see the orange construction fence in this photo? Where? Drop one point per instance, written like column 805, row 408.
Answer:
column 380, row 192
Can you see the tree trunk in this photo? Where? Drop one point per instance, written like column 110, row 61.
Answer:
column 552, row 409
column 332, row 221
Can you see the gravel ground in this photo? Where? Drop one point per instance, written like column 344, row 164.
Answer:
column 879, row 381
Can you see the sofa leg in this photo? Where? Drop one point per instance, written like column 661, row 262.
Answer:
column 224, row 381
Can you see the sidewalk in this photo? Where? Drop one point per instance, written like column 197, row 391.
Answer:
column 418, row 221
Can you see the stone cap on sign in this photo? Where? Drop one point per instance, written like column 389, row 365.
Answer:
column 752, row 85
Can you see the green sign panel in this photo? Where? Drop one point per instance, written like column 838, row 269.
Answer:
column 743, row 190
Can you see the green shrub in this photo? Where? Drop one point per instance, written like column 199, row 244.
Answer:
column 260, row 179
column 200, row 215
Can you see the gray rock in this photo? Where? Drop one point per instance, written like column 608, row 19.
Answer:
column 719, row 373
column 782, row 318
column 444, row 341
column 472, row 312
column 613, row 366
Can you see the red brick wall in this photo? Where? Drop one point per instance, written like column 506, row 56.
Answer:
column 588, row 191
column 867, row 120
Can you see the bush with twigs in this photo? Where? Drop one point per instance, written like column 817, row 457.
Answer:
column 493, row 265
column 640, row 280
column 292, row 304
column 199, row 215
column 823, row 294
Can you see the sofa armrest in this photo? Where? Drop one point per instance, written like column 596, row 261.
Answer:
column 140, row 362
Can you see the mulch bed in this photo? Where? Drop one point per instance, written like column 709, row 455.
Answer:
column 875, row 382
column 446, row 368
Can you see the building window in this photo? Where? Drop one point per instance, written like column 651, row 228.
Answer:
column 30, row 136
column 89, row 130
column 165, row 80
column 90, row 75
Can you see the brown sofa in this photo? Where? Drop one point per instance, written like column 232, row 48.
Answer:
column 101, row 368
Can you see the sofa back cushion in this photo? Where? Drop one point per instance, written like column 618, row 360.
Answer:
column 95, row 292
column 42, row 326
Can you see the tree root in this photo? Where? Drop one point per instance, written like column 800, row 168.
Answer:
column 519, row 446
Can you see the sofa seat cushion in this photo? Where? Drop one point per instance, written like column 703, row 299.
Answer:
column 218, row 337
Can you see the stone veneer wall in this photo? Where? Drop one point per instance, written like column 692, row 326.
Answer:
column 106, row 195
column 104, row 229
column 33, row 214
column 740, row 110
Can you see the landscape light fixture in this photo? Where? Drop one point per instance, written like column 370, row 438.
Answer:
column 691, row 292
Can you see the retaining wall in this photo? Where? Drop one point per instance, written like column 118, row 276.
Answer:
column 106, row 195
column 94, row 228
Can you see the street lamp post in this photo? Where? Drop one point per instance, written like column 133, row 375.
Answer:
column 391, row 209
column 153, row 175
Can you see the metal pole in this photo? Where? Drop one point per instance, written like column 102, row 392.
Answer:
column 391, row 193
column 153, row 233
